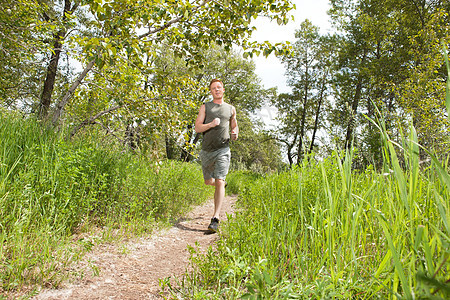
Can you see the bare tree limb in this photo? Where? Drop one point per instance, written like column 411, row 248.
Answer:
column 108, row 130
column 61, row 104
column 92, row 120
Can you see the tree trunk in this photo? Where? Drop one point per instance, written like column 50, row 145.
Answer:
column 351, row 123
column 170, row 147
column 303, row 120
column 290, row 146
column 132, row 137
column 290, row 159
column 185, row 155
column 49, row 84
column 52, row 69
column 316, row 121
column 355, row 103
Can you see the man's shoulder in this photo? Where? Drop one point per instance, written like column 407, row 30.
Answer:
column 228, row 105
column 233, row 109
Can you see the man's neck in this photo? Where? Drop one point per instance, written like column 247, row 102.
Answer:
column 218, row 100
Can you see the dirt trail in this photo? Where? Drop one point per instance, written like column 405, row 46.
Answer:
column 135, row 272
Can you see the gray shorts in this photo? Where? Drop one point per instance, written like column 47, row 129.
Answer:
column 215, row 164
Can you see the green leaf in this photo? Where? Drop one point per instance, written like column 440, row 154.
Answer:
column 383, row 264
column 396, row 258
column 447, row 88
column 418, row 238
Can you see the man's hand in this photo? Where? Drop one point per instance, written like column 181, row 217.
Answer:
column 234, row 135
column 215, row 122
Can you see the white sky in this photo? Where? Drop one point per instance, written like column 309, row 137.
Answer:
column 270, row 69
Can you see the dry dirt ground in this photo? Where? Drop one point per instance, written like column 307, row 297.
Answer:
column 134, row 273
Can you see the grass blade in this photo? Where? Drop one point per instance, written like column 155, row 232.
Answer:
column 447, row 88
column 395, row 256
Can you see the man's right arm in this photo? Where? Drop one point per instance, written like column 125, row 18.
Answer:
column 199, row 126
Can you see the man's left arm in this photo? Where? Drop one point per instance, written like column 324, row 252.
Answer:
column 234, row 125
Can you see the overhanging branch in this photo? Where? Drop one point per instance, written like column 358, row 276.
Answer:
column 171, row 22
column 92, row 120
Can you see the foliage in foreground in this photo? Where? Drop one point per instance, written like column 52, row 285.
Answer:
column 51, row 188
column 324, row 231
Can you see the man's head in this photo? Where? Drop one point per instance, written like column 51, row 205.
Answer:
column 216, row 88
column 215, row 80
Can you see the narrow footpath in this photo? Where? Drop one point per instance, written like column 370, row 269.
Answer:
column 133, row 270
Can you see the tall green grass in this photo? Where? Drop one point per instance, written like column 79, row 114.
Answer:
column 325, row 231
column 51, row 188
column 238, row 181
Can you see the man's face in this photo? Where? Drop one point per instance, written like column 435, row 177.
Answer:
column 217, row 90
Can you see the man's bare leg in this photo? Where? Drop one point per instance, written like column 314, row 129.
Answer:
column 211, row 181
column 219, row 195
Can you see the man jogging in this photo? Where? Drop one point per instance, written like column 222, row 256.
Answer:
column 214, row 120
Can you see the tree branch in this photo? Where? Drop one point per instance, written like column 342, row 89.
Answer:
column 108, row 131
column 171, row 22
column 92, row 120
column 61, row 104
column 419, row 12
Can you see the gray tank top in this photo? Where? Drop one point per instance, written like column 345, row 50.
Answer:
column 217, row 137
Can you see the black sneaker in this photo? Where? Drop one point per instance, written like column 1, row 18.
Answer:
column 214, row 226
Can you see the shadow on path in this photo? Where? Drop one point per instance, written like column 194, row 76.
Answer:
column 184, row 227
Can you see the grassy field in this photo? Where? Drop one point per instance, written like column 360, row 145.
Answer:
column 322, row 230
column 51, row 189
column 325, row 231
